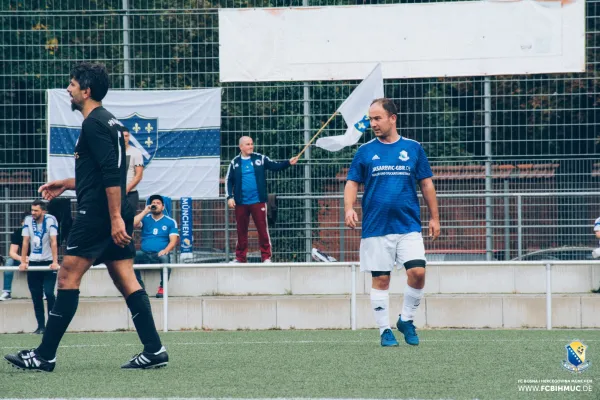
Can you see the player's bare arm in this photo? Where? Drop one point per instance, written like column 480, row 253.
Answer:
column 54, row 247
column 55, row 188
column 137, row 178
column 24, row 251
column 350, row 193
column 118, row 231
column 428, row 190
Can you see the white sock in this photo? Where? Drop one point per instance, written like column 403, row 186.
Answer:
column 412, row 299
column 380, row 302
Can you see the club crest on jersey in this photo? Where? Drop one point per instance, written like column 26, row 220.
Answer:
column 143, row 134
column 404, row 156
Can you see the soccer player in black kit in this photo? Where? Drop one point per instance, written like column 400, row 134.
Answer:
column 102, row 229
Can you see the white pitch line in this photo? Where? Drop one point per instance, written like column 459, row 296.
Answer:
column 209, row 398
column 67, row 346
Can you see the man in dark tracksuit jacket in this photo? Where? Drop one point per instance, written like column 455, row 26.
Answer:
column 246, row 191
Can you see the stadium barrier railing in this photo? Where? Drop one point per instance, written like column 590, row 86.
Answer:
column 353, row 266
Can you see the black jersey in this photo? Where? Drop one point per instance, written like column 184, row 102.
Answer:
column 100, row 162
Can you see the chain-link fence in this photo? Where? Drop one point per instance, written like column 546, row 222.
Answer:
column 507, row 137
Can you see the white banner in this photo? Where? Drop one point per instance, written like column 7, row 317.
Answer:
column 410, row 40
column 178, row 133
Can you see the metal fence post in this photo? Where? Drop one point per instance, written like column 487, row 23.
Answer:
column 7, row 220
column 307, row 172
column 548, row 296
column 489, row 203
column 165, row 274
column 342, row 230
column 353, row 299
column 506, row 222
column 226, row 231
column 126, row 58
column 519, row 225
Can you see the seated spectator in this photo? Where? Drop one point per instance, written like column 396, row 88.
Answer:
column 159, row 237
column 14, row 258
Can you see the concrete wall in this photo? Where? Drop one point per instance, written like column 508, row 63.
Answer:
column 500, row 296
column 322, row 312
column 443, row 279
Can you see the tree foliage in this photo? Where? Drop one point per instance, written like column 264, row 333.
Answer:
column 174, row 45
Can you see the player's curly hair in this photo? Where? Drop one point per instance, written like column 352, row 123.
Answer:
column 387, row 104
column 92, row 76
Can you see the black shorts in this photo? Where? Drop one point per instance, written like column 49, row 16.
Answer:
column 133, row 198
column 90, row 237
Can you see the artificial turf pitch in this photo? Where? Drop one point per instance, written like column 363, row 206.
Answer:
column 448, row 364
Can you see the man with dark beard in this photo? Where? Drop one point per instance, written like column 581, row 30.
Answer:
column 159, row 237
column 102, row 229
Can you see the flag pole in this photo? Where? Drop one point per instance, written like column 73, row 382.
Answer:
column 317, row 134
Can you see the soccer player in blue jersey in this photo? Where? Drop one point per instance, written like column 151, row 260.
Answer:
column 390, row 167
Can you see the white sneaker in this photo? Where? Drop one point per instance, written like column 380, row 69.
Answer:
column 267, row 261
column 319, row 256
column 5, row 296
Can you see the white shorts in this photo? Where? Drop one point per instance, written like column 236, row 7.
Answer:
column 380, row 253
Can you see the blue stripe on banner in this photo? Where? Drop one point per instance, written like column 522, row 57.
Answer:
column 196, row 143
column 171, row 144
column 62, row 140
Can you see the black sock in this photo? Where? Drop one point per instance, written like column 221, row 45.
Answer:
column 59, row 319
column 141, row 313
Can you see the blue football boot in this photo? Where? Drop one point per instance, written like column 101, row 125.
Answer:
column 409, row 331
column 388, row 339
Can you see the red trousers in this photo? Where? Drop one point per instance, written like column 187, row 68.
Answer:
column 259, row 216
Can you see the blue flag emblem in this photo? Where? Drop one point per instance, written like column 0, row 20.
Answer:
column 363, row 124
column 144, row 134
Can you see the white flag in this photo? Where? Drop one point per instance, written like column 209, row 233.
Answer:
column 355, row 111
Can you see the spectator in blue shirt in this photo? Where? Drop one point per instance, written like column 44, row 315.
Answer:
column 159, row 237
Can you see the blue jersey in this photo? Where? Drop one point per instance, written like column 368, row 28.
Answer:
column 156, row 233
column 390, row 173
column 249, row 187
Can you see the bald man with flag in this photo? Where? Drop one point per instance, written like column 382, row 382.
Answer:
column 246, row 191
